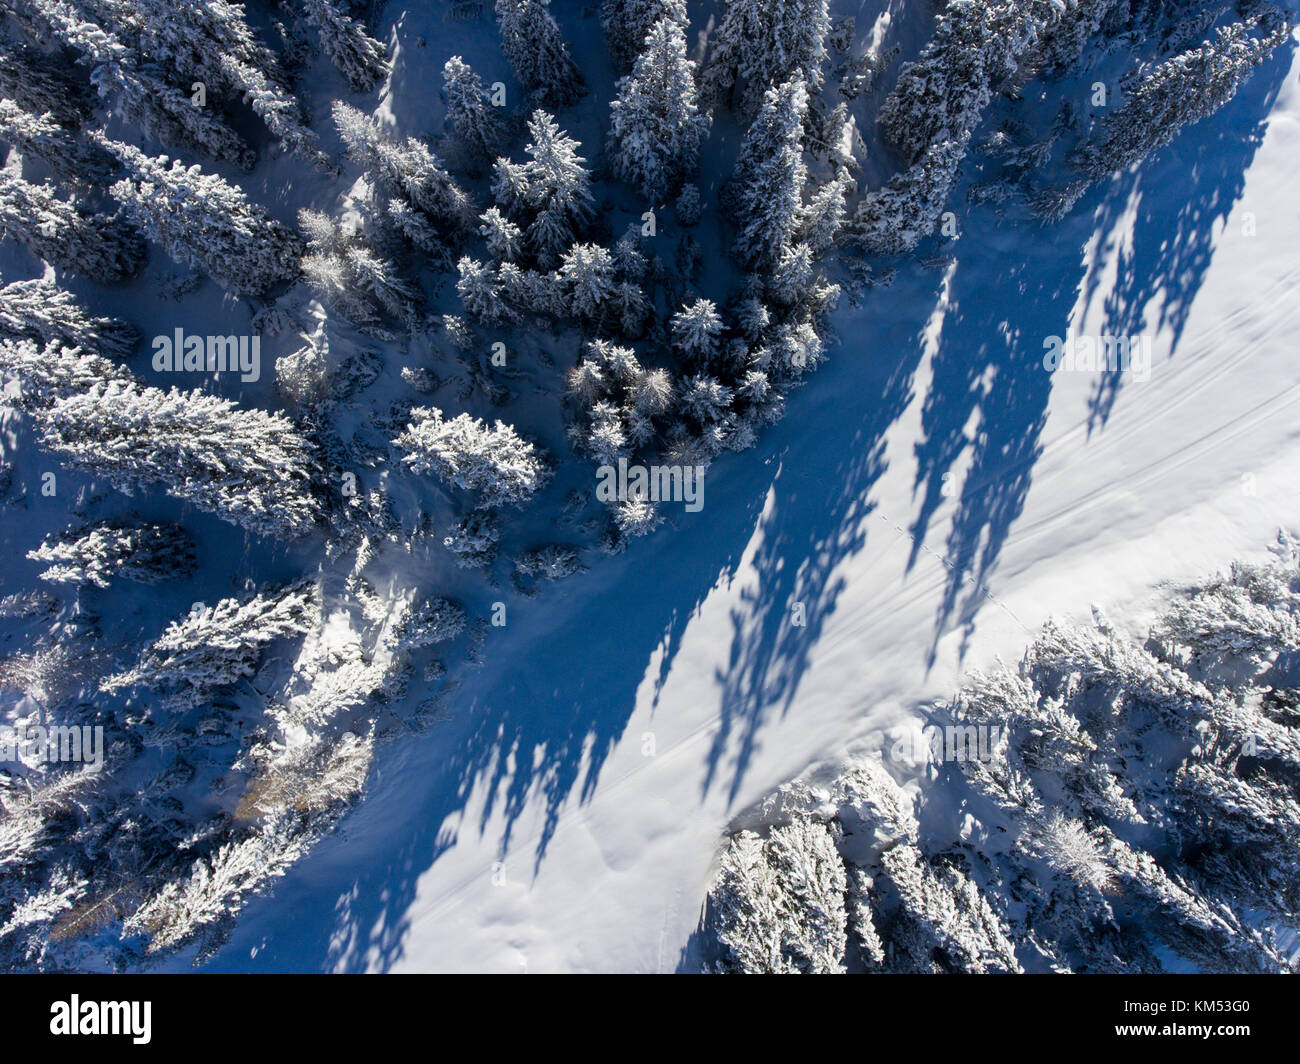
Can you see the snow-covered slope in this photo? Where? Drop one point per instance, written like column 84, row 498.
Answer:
column 933, row 495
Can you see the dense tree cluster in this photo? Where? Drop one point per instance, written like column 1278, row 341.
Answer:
column 1135, row 811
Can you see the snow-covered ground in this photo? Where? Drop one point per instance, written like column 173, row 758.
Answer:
column 933, row 495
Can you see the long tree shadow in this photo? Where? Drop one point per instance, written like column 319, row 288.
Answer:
column 1172, row 240
column 816, row 517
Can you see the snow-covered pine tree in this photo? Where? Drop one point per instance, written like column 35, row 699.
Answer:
column 779, row 903
column 212, row 43
column 586, row 277
column 551, row 562
column 533, row 46
column 627, row 22
column 248, row 467
column 656, row 127
column 696, row 331
column 823, row 217
column 215, row 646
column 40, row 135
column 897, row 217
column 96, row 246
column 144, row 553
column 504, row 239
column 204, row 221
column 761, row 43
column 494, row 462
column 482, row 293
column 1179, row 91
column 1064, row 43
column 432, row 621
column 159, row 109
column 976, row 44
column 358, row 56
column 350, row 277
column 473, row 539
column 41, row 310
column 49, row 372
column 471, row 114
column 765, row 195
column 405, row 169
column 943, row 910
column 41, row 84
column 552, row 191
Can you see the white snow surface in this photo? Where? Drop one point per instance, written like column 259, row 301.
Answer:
column 569, row 815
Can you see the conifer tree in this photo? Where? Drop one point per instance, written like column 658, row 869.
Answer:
column 96, row 246
column 494, row 462
column 762, row 43
column 628, row 22
column 532, row 44
column 405, row 169
column 203, row 221
column 145, row 553
column 471, row 114
column 766, row 190
column 160, row 110
column 248, row 467
column 359, row 57
column 41, row 310
column 656, row 127
column 40, row 135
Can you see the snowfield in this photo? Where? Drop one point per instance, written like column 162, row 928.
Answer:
column 932, row 497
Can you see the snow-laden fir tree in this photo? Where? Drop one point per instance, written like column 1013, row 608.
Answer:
column 976, row 45
column 160, row 110
column 434, row 621
column 204, row 221
column 41, row 84
column 765, row 195
column 201, row 903
column 779, row 902
column 42, row 310
column 504, row 239
column 215, row 646
column 96, row 246
column 65, row 152
column 405, row 169
column 359, row 57
column 144, row 553
column 533, row 46
column 628, row 22
column 470, row 112
column 761, row 43
column 552, row 562
column 46, row 373
column 549, row 195
column 350, row 277
column 586, row 276
column 211, row 43
column 492, row 461
column 1065, row 42
column 696, row 330
column 1179, row 91
column 823, row 216
column 656, row 127
column 944, row 911
column 897, row 217
column 482, row 292
column 247, row 466
column 473, row 539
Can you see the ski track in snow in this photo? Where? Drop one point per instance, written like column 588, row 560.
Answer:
column 529, row 857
